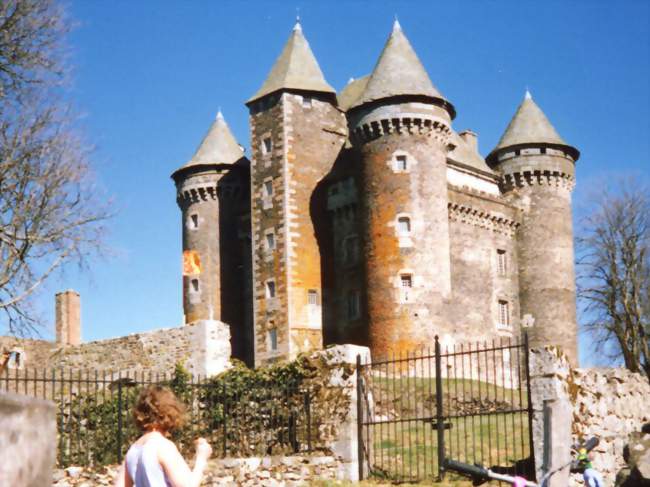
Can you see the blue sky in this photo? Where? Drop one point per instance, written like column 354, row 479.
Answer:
column 149, row 77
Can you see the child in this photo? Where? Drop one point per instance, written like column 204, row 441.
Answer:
column 153, row 460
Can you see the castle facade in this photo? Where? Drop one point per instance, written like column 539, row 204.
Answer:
column 364, row 217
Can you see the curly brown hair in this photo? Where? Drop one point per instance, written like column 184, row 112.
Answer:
column 158, row 408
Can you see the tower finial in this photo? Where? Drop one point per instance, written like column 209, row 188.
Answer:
column 219, row 114
column 396, row 25
column 297, row 27
column 528, row 96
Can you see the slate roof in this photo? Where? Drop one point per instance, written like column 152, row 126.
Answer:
column 530, row 126
column 465, row 154
column 398, row 72
column 296, row 68
column 352, row 91
column 218, row 147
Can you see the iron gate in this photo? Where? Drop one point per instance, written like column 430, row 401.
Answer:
column 469, row 403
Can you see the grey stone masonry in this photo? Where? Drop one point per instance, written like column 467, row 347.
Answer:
column 27, row 441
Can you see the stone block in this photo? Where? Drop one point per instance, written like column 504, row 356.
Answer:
column 28, row 438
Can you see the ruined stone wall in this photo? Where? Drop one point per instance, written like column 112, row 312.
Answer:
column 481, row 228
column 610, row 403
column 203, row 348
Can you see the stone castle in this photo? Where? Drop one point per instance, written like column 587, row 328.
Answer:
column 364, row 217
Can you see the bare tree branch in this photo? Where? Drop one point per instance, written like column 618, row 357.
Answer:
column 51, row 214
column 613, row 263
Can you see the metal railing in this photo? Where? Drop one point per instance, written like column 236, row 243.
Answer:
column 94, row 413
column 469, row 403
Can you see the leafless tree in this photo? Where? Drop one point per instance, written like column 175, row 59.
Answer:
column 613, row 250
column 50, row 212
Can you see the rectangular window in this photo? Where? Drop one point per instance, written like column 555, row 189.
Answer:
column 194, row 220
column 504, row 314
column 270, row 241
column 267, row 145
column 312, row 296
column 268, row 188
column 353, row 305
column 404, row 225
column 400, row 163
column 273, row 339
column 194, row 285
column 306, row 102
column 270, row 289
column 502, row 262
column 407, row 281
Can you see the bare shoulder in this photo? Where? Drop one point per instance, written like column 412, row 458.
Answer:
column 166, row 446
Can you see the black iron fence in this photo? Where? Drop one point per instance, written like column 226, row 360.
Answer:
column 238, row 419
column 469, row 403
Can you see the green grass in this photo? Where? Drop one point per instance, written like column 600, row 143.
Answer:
column 408, row 450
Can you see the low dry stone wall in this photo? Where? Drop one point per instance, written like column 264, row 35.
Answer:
column 202, row 347
column 610, row 403
column 276, row 471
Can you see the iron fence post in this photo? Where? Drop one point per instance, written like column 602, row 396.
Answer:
column 119, row 419
column 308, row 417
column 439, row 416
column 225, row 421
column 359, row 417
column 530, row 403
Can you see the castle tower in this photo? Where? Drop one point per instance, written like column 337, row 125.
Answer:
column 401, row 127
column 296, row 133
column 537, row 171
column 204, row 188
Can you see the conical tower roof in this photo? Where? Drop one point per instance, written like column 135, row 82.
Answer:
column 218, row 147
column 398, row 72
column 296, row 68
column 530, row 126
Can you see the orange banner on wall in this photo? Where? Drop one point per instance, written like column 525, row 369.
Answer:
column 191, row 263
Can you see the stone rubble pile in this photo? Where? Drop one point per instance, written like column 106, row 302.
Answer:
column 610, row 404
column 275, row 471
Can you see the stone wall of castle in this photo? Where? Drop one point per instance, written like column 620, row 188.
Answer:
column 484, row 268
column 202, row 348
column 296, row 140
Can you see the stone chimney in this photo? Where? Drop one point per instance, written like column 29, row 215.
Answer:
column 68, row 318
column 470, row 138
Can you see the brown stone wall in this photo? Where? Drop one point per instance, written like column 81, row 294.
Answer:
column 315, row 136
column 400, row 319
column 305, row 143
column 267, row 214
column 68, row 317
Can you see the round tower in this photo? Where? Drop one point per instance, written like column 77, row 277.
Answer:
column 199, row 189
column 537, row 170
column 400, row 124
